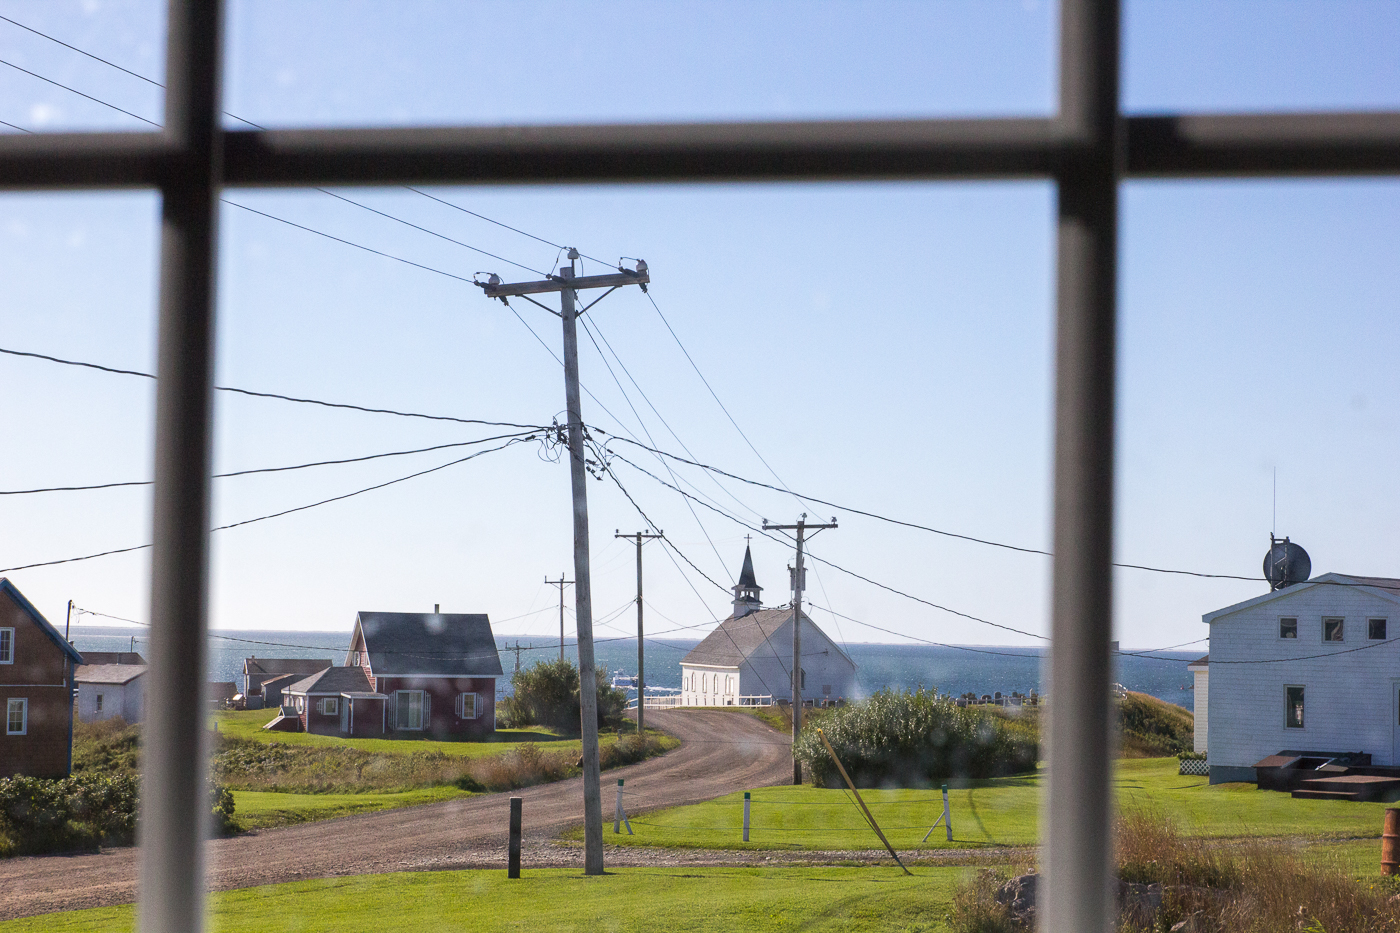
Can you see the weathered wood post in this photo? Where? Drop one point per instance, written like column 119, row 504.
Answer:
column 513, row 865
column 746, row 816
column 1390, row 843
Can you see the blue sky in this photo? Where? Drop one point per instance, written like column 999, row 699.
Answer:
column 887, row 346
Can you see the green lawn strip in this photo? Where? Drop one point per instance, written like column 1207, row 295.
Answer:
column 261, row 809
column 1002, row 811
column 249, row 725
column 678, row 900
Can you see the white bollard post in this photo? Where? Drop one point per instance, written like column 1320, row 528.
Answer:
column 746, row 816
column 620, row 815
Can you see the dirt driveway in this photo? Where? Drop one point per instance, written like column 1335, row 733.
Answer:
column 721, row 752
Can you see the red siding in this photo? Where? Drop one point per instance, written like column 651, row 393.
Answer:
column 41, row 673
column 442, row 711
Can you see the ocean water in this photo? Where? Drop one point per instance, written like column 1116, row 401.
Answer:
column 948, row 670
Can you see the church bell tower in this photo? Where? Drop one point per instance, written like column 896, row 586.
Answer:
column 746, row 592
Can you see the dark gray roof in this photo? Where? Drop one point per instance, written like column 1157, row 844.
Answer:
column 285, row 665
column 334, row 680
column 112, row 657
column 106, row 673
column 734, row 640
column 1202, row 660
column 746, row 577
column 429, row 643
column 222, row 689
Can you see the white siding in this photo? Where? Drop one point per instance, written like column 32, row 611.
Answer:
column 124, row 700
column 1202, row 709
column 1350, row 699
column 830, row 675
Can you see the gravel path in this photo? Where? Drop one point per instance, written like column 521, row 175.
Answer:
column 720, row 753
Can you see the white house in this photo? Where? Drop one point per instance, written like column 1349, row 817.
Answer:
column 1312, row 667
column 111, row 683
column 749, row 654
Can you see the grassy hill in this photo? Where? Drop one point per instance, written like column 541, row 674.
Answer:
column 1154, row 728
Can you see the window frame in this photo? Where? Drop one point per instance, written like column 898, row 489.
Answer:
column 462, row 704
column 399, row 706
column 1341, row 630
column 1287, row 706
column 7, row 645
column 328, row 706
column 1087, row 149
column 21, row 704
column 1282, row 620
column 1370, row 628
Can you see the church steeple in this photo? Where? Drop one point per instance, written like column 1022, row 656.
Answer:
column 746, row 592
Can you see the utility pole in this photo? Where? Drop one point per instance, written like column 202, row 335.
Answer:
column 641, row 537
column 799, row 580
column 68, row 620
column 567, row 285
column 561, row 583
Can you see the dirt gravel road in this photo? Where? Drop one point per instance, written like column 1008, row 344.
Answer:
column 720, row 752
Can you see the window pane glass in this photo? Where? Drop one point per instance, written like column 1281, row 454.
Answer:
column 1288, row 628
column 1294, row 708
column 1376, row 628
column 629, row 60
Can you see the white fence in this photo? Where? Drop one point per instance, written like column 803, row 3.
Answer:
column 672, row 702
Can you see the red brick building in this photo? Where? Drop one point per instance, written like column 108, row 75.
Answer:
column 36, row 690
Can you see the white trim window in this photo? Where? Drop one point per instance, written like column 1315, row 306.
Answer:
column 328, row 706
column 410, row 710
column 301, row 705
column 468, row 706
column 7, row 646
column 16, row 716
column 97, row 705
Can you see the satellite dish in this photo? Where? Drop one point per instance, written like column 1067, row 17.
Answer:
column 1286, row 563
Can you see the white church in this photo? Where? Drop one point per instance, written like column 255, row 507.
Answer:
column 747, row 659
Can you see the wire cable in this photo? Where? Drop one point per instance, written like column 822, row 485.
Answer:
column 263, row 518
column 277, row 396
column 281, row 469
column 65, row 87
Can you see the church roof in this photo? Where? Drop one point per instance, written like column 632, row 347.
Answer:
column 735, row 640
column 746, row 577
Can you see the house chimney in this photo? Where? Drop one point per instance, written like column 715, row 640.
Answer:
column 437, row 608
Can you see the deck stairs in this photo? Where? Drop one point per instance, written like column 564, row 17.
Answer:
column 1349, row 787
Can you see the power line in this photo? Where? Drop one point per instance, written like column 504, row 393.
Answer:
column 915, row 525
column 713, row 394
column 65, row 87
column 281, row 469
column 836, row 566
column 262, row 518
column 81, row 52
column 277, row 396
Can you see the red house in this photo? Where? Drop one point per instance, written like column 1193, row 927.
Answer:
column 437, row 671
column 36, row 690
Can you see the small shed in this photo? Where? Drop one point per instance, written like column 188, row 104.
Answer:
column 110, row 684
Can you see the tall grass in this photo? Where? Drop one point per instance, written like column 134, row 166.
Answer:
column 331, row 769
column 1255, row 887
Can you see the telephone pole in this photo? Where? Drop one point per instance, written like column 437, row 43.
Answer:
column 567, row 285
column 641, row 538
column 799, row 582
column 561, row 583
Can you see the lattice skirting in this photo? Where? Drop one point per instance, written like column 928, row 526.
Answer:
column 1194, row 766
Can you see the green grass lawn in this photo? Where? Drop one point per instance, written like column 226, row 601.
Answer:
column 260, row 809
column 249, row 725
column 704, row 900
column 1002, row 811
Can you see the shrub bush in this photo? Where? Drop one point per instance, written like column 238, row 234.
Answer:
column 903, row 739
column 547, row 694
column 82, row 812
